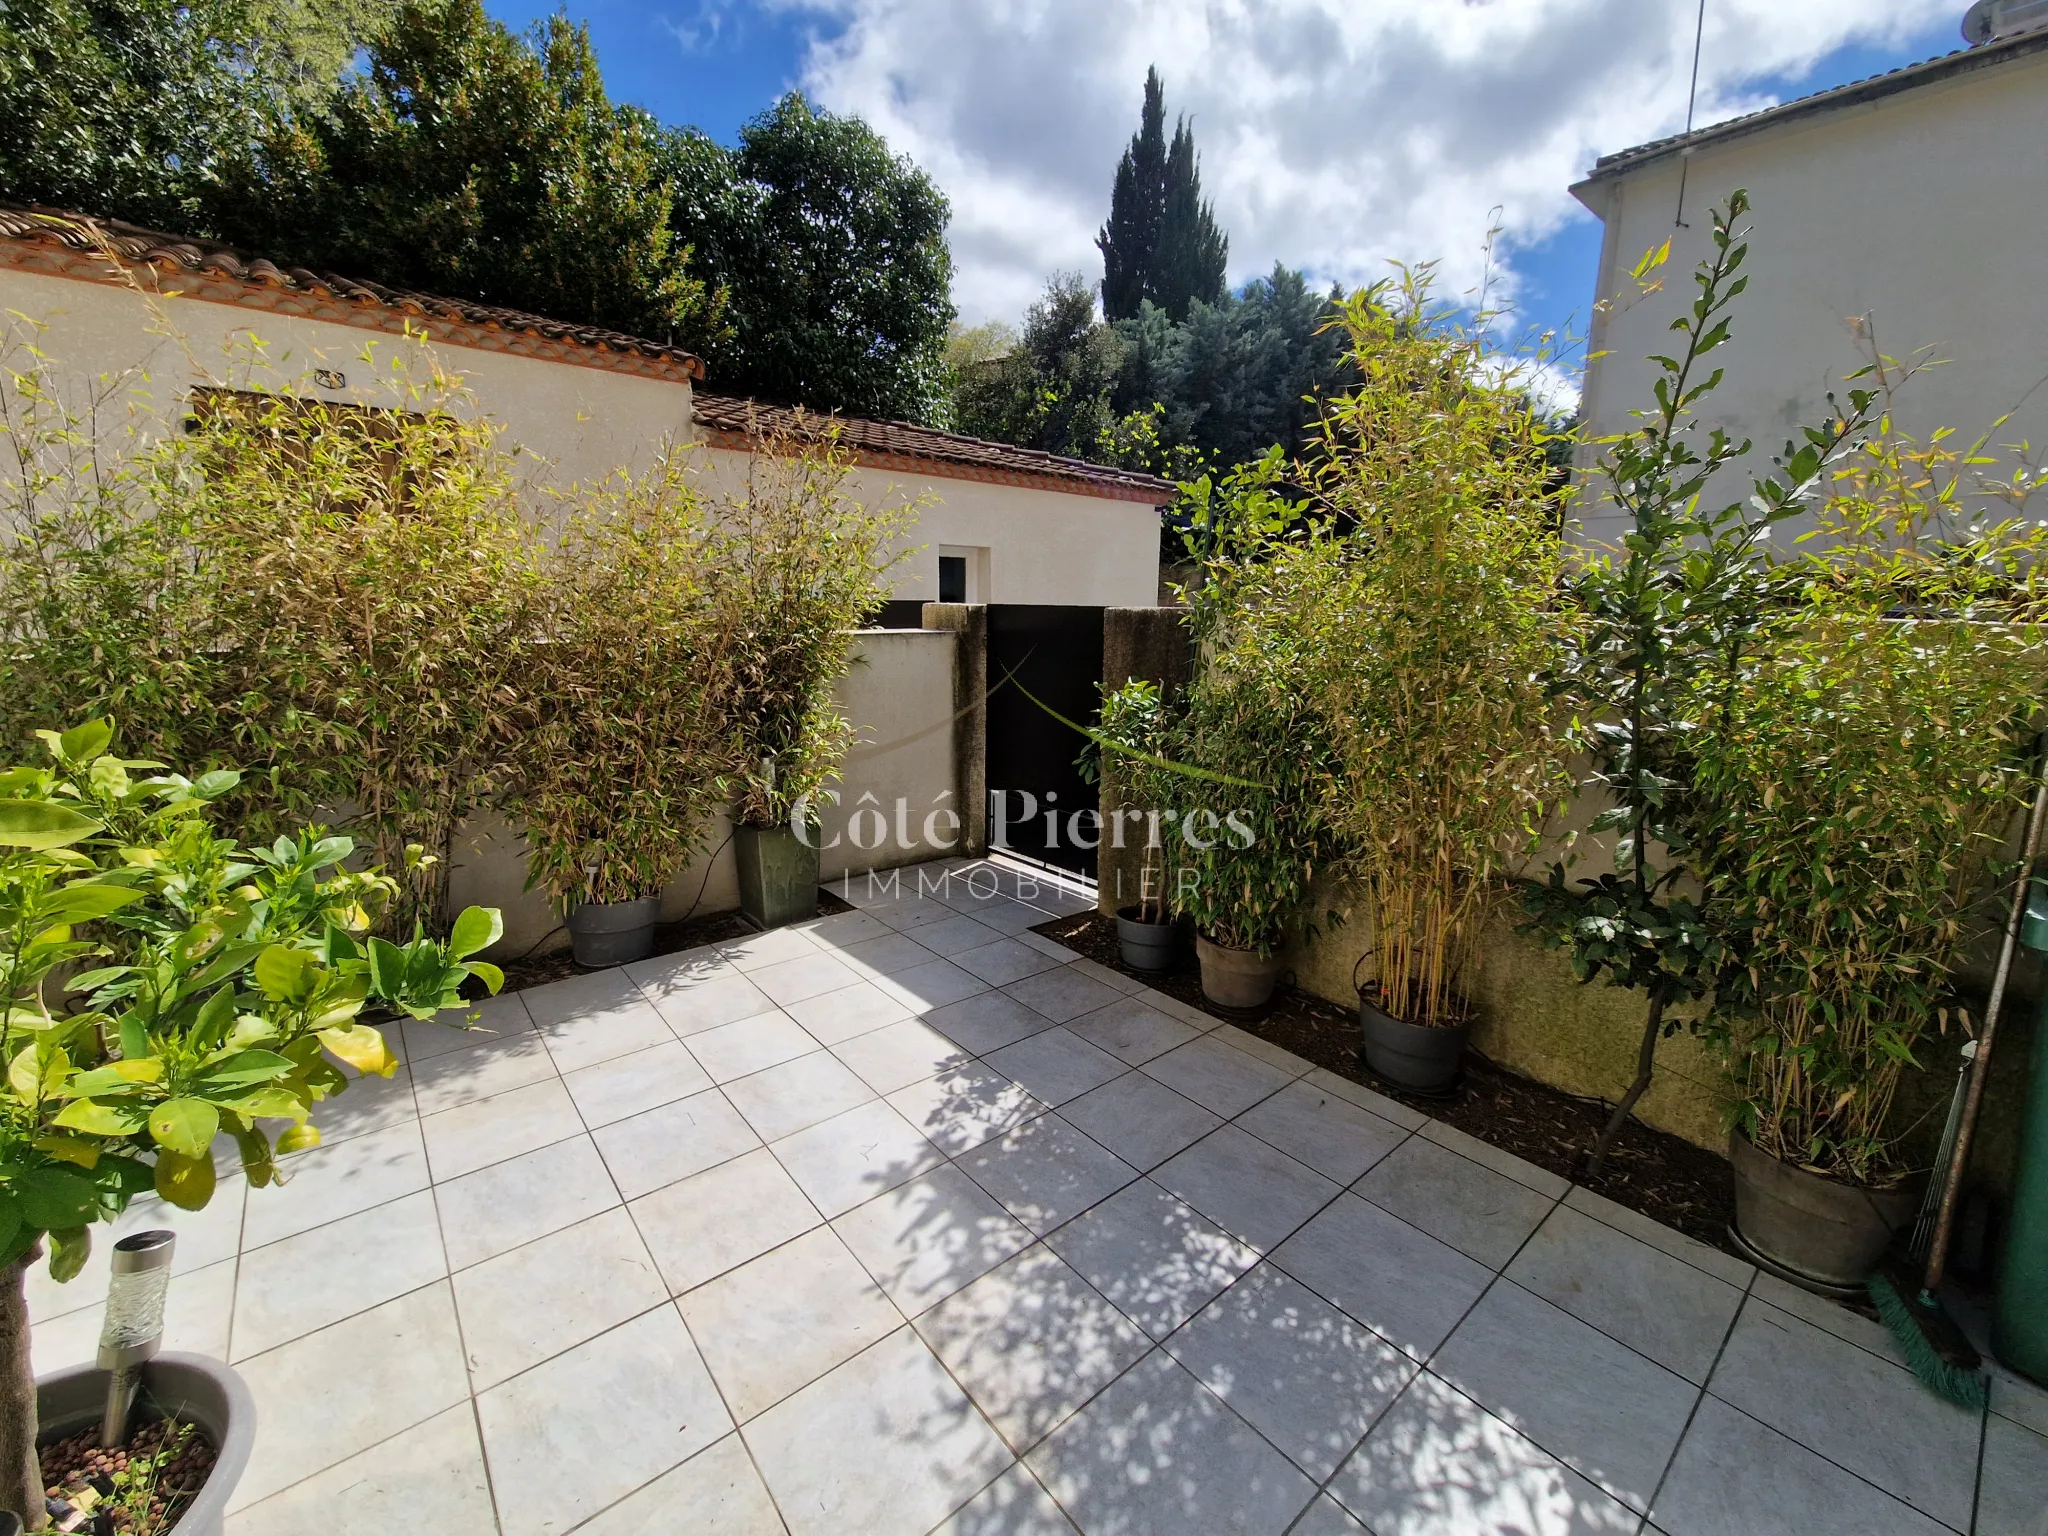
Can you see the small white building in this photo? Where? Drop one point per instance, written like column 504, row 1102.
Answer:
column 145, row 318
column 1909, row 205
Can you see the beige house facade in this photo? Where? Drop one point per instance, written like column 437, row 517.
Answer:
column 1901, row 213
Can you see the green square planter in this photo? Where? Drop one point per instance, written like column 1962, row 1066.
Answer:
column 778, row 875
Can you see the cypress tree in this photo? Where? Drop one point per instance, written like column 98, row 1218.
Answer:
column 1137, row 206
column 1189, row 260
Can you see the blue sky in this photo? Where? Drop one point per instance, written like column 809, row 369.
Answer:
column 1020, row 112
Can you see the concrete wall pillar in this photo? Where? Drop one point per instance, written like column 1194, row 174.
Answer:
column 1153, row 645
column 970, row 715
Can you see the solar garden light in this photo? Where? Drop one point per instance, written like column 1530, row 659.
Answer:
column 134, row 1329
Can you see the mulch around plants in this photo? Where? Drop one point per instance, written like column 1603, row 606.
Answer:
column 1664, row 1177
column 669, row 939
column 139, row 1489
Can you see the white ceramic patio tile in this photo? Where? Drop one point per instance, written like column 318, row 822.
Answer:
column 2020, row 1401
column 1487, row 1155
column 205, row 1237
column 783, row 1100
column 1131, row 1030
column 369, row 1103
column 674, row 1141
column 1202, row 1023
column 1606, row 1411
column 925, row 1239
column 885, row 1445
column 1853, row 1327
column 1159, row 1261
column 304, row 1283
column 1009, row 917
column 716, row 1492
column 1056, row 1064
column 1735, row 1477
column 1107, row 975
column 911, row 914
column 701, row 1226
column 1438, row 1464
column 1303, row 1374
column 1722, row 1266
column 696, row 994
column 835, row 1016
column 491, row 1018
column 586, row 1428
column 588, row 1019
column 956, row 936
column 1158, row 1452
column 1245, row 1186
column 888, row 954
column 849, row 1159
column 1853, row 1408
column 626, row 1085
column 1062, row 993
column 1474, row 1209
column 481, row 1071
column 758, row 951
column 1394, row 1278
column 960, row 1109
column 791, row 981
column 1326, row 1517
column 198, row 1313
column 1051, row 948
column 897, row 1055
column 1015, row 1504
column 330, row 1182
column 323, row 1398
column 463, row 1140
column 2013, row 1496
column 1390, row 1110
column 987, row 1022
column 933, row 985
column 1031, row 1341
column 497, row 1208
column 1045, row 1172
column 430, row 1477
column 1216, row 1076
column 524, row 1306
column 842, row 929
column 1657, row 1305
column 750, row 1045
column 1330, row 1134
column 1272, row 1055
column 1140, row 1119
column 1003, row 962
column 781, row 1321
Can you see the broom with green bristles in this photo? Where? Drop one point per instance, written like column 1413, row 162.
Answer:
column 1934, row 1346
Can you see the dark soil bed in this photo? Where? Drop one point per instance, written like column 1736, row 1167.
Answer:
column 139, row 1489
column 1664, row 1177
column 669, row 938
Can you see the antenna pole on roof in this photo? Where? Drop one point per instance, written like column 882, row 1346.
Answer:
column 1692, row 96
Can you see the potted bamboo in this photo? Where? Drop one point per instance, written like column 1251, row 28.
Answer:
column 163, row 986
column 1126, row 745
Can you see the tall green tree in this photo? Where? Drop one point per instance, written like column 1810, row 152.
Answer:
column 832, row 253
column 1137, row 206
column 1052, row 390
column 1188, row 264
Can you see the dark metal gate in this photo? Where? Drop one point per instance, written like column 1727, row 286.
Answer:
column 1042, row 661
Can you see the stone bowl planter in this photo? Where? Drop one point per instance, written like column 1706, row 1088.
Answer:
column 1238, row 980
column 1417, row 1057
column 605, row 933
column 191, row 1388
column 1809, row 1227
column 1147, row 946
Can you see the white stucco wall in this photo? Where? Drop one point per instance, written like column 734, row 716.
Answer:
column 1922, row 210
column 1043, row 546
column 570, row 423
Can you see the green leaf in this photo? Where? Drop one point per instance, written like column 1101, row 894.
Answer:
column 243, row 1069
column 10, row 1220
column 186, row 1126
column 211, row 786
column 477, row 928
column 134, row 1037
column 56, row 1199
column 488, row 974
column 387, row 968
column 42, row 824
column 270, row 1104
column 102, row 1119
column 84, row 901
column 83, row 743
column 70, row 1247
column 285, row 975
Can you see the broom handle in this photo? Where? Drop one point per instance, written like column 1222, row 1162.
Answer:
column 1959, row 1158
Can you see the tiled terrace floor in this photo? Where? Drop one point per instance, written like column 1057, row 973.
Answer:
column 910, row 1221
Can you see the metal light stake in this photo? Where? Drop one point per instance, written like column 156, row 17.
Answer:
column 134, row 1329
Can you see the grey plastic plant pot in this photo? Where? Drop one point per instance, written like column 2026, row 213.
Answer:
column 1412, row 1056
column 1813, row 1228
column 605, row 933
column 1239, row 980
column 778, row 873
column 190, row 1388
column 1147, row 946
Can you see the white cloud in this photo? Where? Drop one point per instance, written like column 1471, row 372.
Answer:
column 1335, row 134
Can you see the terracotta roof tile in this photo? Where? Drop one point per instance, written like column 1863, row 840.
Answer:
column 147, row 247
column 901, row 441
